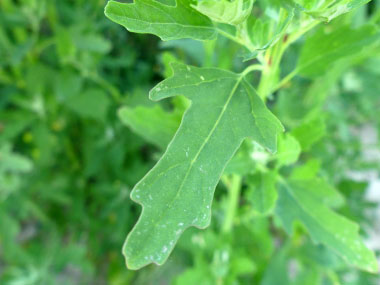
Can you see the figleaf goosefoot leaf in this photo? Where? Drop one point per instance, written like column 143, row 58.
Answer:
column 167, row 22
column 297, row 202
column 178, row 191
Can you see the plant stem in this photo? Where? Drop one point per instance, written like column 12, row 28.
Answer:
column 234, row 186
column 299, row 33
column 251, row 68
column 273, row 59
column 293, row 38
column 271, row 67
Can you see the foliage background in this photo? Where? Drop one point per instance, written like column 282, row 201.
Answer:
column 67, row 163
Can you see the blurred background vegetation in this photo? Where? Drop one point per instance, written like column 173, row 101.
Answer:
column 67, row 163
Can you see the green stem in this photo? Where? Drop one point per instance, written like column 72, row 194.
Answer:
column 234, row 187
column 293, row 38
column 273, row 59
column 251, row 68
column 299, row 33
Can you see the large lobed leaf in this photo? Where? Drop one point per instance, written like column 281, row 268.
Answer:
column 167, row 22
column 178, row 191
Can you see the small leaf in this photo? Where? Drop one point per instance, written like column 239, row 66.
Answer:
column 329, row 9
column 267, row 30
column 167, row 22
column 224, row 11
column 264, row 193
column 298, row 203
column 178, row 191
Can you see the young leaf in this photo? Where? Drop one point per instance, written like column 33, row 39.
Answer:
column 297, row 203
column 167, row 22
column 224, row 11
column 266, row 30
column 329, row 9
column 178, row 191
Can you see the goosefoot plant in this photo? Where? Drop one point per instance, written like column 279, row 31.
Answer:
column 227, row 118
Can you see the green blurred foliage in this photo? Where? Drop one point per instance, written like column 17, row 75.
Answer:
column 68, row 162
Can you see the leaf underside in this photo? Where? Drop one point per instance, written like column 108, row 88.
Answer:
column 178, row 191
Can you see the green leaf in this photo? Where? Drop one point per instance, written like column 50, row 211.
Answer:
column 223, row 11
column 265, row 31
column 320, row 190
column 92, row 103
column 325, row 48
column 288, row 150
column 167, row 22
column 13, row 122
column 243, row 161
column 65, row 44
column 308, row 170
column 310, row 132
column 178, row 191
column 92, row 42
column 152, row 123
column 298, row 203
column 329, row 9
column 264, row 193
column 242, row 265
column 277, row 271
column 13, row 162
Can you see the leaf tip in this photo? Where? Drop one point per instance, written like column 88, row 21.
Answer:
column 154, row 93
column 130, row 263
column 373, row 267
column 121, row 111
column 107, row 8
column 136, row 263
